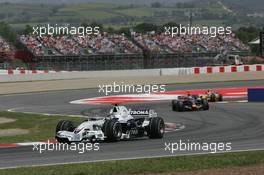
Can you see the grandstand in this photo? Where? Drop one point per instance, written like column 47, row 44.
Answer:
column 119, row 44
column 190, row 43
column 116, row 51
column 75, row 45
column 5, row 48
column 6, row 52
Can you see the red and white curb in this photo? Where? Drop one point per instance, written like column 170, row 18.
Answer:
column 6, row 145
column 228, row 69
column 213, row 69
column 165, row 71
column 26, row 72
column 23, row 72
column 171, row 127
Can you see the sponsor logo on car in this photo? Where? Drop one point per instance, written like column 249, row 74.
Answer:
column 139, row 112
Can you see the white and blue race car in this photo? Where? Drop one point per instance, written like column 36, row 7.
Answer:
column 120, row 124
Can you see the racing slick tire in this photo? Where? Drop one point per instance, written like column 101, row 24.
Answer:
column 220, row 98
column 177, row 106
column 113, row 130
column 156, row 128
column 205, row 105
column 173, row 104
column 180, row 106
column 64, row 125
column 212, row 98
column 104, row 125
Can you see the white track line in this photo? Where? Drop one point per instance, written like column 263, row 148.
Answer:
column 46, row 114
column 239, row 101
column 134, row 158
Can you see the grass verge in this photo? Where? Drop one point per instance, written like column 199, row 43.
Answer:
column 148, row 166
column 41, row 127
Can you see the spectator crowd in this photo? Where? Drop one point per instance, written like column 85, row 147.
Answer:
column 75, row 45
column 190, row 43
column 5, row 48
column 106, row 43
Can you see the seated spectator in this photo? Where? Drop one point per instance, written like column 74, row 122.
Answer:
column 105, row 43
column 4, row 46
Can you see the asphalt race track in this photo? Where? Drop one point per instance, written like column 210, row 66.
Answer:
column 242, row 124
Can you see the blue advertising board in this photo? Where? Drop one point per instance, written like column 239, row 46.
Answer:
column 256, row 94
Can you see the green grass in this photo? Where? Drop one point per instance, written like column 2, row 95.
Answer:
column 95, row 11
column 41, row 127
column 94, row 14
column 144, row 166
column 21, row 26
column 75, row 13
column 88, row 6
column 214, row 23
column 136, row 12
column 19, row 8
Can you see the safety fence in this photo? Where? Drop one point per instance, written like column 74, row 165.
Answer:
column 126, row 61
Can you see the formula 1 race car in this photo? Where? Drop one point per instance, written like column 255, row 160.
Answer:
column 213, row 96
column 120, row 124
column 190, row 103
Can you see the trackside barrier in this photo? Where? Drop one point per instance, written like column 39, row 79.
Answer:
column 177, row 71
column 64, row 75
column 35, row 75
column 256, row 94
column 23, row 71
column 154, row 72
column 212, row 69
column 135, row 72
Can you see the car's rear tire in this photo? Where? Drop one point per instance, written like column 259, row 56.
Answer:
column 212, row 98
column 156, row 128
column 205, row 105
column 174, row 105
column 177, row 106
column 112, row 130
column 104, row 125
column 220, row 98
column 64, row 125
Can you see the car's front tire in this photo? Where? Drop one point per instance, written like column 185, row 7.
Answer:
column 64, row 125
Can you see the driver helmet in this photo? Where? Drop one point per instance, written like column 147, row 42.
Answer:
column 115, row 109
